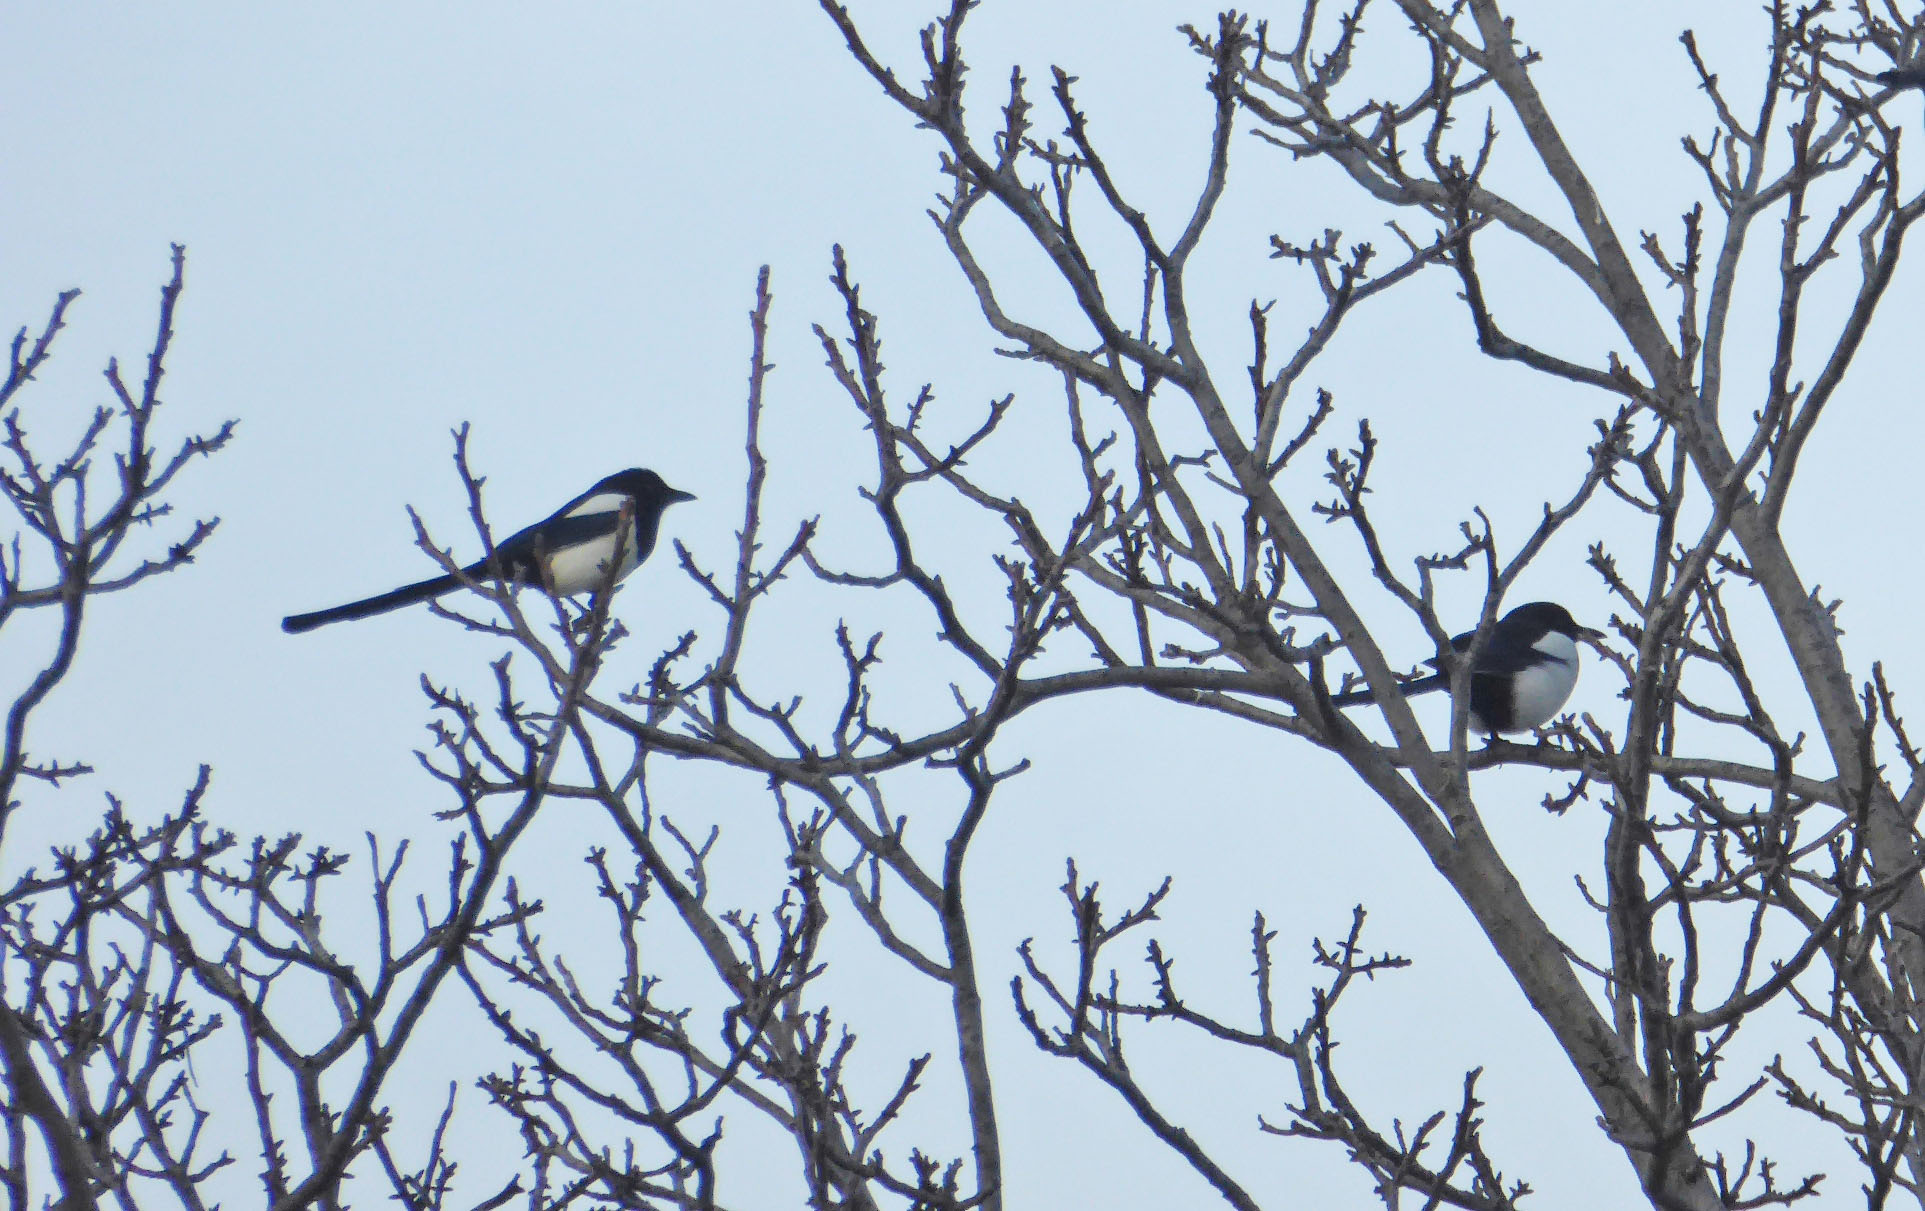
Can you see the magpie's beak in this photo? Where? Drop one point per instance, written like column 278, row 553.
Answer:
column 675, row 496
column 1595, row 636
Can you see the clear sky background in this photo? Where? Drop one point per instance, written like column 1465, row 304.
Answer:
column 546, row 222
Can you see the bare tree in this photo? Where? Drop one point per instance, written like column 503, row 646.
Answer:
column 1748, row 879
column 70, row 1012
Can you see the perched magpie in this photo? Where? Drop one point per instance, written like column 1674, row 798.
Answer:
column 567, row 553
column 1527, row 669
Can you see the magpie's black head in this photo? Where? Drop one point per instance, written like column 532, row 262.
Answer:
column 645, row 486
column 1543, row 617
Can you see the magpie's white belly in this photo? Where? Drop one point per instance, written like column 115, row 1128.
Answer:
column 1539, row 692
column 582, row 568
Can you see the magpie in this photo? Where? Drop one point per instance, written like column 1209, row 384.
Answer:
column 1524, row 674
column 566, row 553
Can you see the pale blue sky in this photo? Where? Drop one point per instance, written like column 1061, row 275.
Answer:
column 547, row 222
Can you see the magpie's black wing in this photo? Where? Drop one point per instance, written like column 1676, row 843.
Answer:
column 517, row 551
column 1508, row 659
column 1498, row 658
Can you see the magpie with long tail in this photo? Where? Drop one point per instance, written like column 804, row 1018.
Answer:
column 1523, row 676
column 567, row 553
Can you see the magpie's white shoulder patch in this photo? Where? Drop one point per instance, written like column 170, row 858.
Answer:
column 600, row 502
column 1558, row 646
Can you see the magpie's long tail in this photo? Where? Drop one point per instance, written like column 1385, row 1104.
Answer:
column 406, row 595
column 1423, row 685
